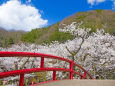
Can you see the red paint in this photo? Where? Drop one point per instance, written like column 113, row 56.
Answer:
column 18, row 72
column 84, row 70
column 85, row 74
column 32, row 83
column 42, row 62
column 27, row 54
column 21, row 80
column 81, row 77
column 54, row 75
column 41, row 69
column 71, row 68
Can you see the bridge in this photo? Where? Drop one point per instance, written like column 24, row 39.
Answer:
column 21, row 73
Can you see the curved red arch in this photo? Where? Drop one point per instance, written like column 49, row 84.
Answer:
column 28, row 54
column 42, row 56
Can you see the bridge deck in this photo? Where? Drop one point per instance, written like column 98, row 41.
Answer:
column 81, row 83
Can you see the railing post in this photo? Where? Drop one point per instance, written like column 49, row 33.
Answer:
column 32, row 83
column 54, row 75
column 21, row 80
column 42, row 62
column 85, row 74
column 71, row 68
column 81, row 77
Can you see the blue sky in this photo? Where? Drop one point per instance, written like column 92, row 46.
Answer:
column 56, row 10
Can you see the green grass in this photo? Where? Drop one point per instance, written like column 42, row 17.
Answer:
column 99, row 11
column 59, row 36
column 33, row 35
column 46, row 35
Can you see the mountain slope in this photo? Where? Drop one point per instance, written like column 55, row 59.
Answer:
column 97, row 19
column 9, row 37
column 46, row 35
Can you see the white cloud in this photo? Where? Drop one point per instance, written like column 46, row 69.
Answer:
column 100, row 1
column 14, row 15
column 92, row 2
column 29, row 0
column 114, row 2
column 113, row 5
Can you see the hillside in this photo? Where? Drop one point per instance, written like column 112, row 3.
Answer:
column 8, row 38
column 96, row 19
column 46, row 35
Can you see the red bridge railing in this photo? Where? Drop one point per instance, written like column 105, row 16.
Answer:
column 41, row 69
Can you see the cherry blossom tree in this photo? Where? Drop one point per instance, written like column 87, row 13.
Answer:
column 94, row 51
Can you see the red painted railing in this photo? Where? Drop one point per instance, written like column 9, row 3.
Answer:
column 41, row 69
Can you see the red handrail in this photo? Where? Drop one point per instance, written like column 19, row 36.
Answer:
column 41, row 69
